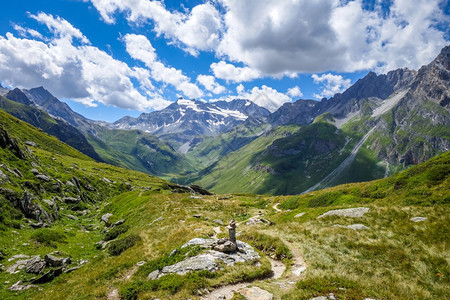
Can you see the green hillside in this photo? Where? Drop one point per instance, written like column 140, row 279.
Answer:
column 160, row 217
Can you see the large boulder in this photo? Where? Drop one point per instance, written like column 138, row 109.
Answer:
column 356, row 212
column 35, row 265
column 107, row 219
column 55, row 261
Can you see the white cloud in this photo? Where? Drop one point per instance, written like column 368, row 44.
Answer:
column 294, row 92
column 25, row 32
column 232, row 73
column 82, row 73
column 197, row 30
column 60, row 27
column 140, row 48
column 332, row 84
column 266, row 97
column 209, row 82
column 240, row 88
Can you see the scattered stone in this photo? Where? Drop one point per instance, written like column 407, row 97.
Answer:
column 195, row 197
column 30, row 143
column 34, row 171
column 71, row 200
column 15, row 268
column 207, row 218
column 20, row 287
column 356, row 212
column 48, row 276
column 3, row 176
column 255, row 293
column 105, row 218
column 49, row 202
column 72, row 269
column 418, row 219
column 18, row 256
column 120, row 222
column 156, row 220
column 72, row 217
column 35, row 265
column 299, row 215
column 257, row 220
column 353, row 226
column 141, row 263
column 218, row 221
column 198, row 216
column 37, row 225
column 70, row 183
column 153, row 275
column 54, row 261
column 205, row 243
column 43, row 177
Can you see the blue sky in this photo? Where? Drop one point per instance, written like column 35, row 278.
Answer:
column 110, row 58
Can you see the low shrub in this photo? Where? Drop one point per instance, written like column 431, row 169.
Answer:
column 49, row 237
column 115, row 232
column 118, row 246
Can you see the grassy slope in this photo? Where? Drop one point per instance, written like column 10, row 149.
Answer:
column 293, row 169
column 394, row 259
column 139, row 151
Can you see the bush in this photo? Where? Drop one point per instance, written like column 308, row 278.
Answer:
column 48, row 237
column 115, row 232
column 117, row 247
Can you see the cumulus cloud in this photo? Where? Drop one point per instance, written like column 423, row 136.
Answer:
column 140, row 48
column 240, row 88
column 332, row 84
column 80, row 72
column 229, row 72
column 294, row 92
column 283, row 38
column 25, row 32
column 209, row 82
column 197, row 30
column 265, row 96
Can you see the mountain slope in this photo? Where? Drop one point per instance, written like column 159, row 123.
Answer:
column 56, row 127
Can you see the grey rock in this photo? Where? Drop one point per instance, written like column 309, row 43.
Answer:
column 18, row 256
column 218, row 221
column 72, row 217
column 120, row 222
column 20, row 287
column 49, row 202
column 35, row 265
column 198, row 216
column 356, row 212
column 48, row 276
column 70, row 183
column 72, row 269
column 15, row 268
column 30, row 143
column 55, row 261
column 3, row 176
column 153, row 275
column 206, row 243
column 257, row 220
column 299, row 215
column 34, row 171
column 418, row 219
column 255, row 293
column 37, row 225
column 43, row 177
column 71, row 200
column 353, row 226
column 106, row 218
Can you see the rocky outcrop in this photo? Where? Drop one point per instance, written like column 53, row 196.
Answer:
column 209, row 260
column 35, row 265
column 6, row 141
column 356, row 212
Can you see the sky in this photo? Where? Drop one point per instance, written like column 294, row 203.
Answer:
column 110, row 58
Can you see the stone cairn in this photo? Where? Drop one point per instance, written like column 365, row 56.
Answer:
column 228, row 245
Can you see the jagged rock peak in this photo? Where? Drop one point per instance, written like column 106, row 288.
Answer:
column 19, row 96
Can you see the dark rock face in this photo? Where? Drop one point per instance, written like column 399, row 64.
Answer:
column 17, row 95
column 7, row 142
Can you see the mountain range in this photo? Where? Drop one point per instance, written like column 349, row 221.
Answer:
column 380, row 125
